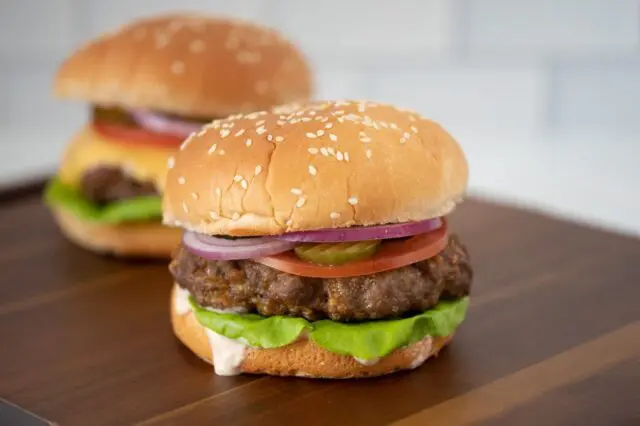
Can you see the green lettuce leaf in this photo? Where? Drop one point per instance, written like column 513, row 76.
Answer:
column 365, row 340
column 256, row 330
column 136, row 209
column 376, row 339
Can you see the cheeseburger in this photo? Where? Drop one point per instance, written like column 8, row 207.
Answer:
column 316, row 242
column 149, row 85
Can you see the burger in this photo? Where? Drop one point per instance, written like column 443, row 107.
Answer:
column 149, row 85
column 316, row 242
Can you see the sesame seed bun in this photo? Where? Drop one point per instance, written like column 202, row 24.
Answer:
column 323, row 165
column 303, row 357
column 189, row 65
column 148, row 239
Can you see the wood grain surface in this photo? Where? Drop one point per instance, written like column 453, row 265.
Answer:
column 552, row 338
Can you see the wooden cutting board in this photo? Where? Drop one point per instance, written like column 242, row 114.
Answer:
column 552, row 337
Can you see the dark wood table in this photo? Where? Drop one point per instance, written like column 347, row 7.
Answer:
column 552, row 338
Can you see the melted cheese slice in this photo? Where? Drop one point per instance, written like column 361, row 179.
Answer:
column 89, row 149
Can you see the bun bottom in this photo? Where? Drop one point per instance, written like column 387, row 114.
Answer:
column 304, row 358
column 145, row 240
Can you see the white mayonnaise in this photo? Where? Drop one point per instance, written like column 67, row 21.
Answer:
column 182, row 304
column 227, row 354
column 423, row 355
column 366, row 361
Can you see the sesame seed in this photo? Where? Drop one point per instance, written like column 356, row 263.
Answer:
column 235, row 216
column 280, row 123
column 305, row 119
column 328, row 125
column 333, row 137
column 171, row 162
column 311, row 135
column 325, row 119
column 365, row 139
column 301, row 202
column 369, row 154
column 195, row 195
column 246, row 57
column 222, row 152
column 218, row 192
column 394, row 126
column 414, row 129
column 339, row 112
column 313, row 151
column 214, row 215
column 324, row 151
column 185, row 207
column 181, row 180
column 339, row 156
column 258, row 170
column 161, row 41
column 259, row 123
column 260, row 130
column 334, row 215
column 353, row 201
column 197, row 46
column 269, row 138
column 296, row 191
column 331, row 151
column 239, row 133
column 383, row 124
column 248, row 142
column 177, row 67
column 237, row 178
column 312, row 170
column 243, row 184
column 406, row 135
column 212, row 149
column 346, row 157
column 224, row 133
column 289, row 222
column 320, row 132
column 279, row 138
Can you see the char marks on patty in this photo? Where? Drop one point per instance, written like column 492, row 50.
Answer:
column 251, row 286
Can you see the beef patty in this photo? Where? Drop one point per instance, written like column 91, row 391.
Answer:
column 105, row 184
column 254, row 287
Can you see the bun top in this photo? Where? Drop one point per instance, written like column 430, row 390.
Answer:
column 190, row 65
column 322, row 165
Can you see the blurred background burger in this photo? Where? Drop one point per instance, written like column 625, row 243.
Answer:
column 150, row 84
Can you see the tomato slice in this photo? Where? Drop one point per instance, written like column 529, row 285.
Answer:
column 136, row 135
column 390, row 255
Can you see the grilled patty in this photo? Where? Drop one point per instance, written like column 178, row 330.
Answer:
column 105, row 184
column 254, row 287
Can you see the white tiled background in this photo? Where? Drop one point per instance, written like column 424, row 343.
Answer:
column 544, row 95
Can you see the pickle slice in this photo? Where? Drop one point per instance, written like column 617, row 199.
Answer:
column 336, row 253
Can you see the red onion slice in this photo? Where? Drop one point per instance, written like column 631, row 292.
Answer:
column 225, row 242
column 380, row 232
column 215, row 249
column 159, row 123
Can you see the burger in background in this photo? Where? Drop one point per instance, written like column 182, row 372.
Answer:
column 150, row 84
column 321, row 249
